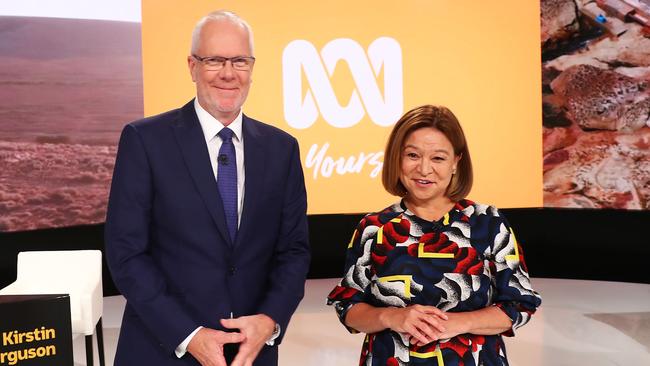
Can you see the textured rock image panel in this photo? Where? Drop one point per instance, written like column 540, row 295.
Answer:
column 596, row 105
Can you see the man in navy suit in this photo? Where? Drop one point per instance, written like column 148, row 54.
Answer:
column 206, row 231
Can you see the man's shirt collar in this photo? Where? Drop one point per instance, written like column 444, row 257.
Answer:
column 211, row 126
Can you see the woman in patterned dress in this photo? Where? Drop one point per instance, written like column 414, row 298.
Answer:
column 434, row 279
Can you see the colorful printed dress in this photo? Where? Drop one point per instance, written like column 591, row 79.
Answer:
column 466, row 261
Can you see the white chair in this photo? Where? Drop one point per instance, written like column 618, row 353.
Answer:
column 74, row 272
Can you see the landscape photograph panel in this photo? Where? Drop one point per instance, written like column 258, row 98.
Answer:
column 67, row 88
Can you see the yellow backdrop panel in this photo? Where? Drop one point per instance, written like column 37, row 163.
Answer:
column 337, row 74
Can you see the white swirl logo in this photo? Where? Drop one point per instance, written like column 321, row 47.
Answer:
column 383, row 110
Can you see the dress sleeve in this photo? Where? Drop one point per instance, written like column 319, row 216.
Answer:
column 513, row 293
column 355, row 283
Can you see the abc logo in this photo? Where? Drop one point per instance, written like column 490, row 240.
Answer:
column 301, row 56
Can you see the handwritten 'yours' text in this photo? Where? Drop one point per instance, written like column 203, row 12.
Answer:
column 324, row 165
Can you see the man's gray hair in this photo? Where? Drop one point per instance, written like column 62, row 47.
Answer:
column 220, row 15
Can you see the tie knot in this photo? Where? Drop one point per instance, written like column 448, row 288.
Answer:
column 225, row 134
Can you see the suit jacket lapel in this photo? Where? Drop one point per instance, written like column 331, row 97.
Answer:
column 195, row 153
column 254, row 167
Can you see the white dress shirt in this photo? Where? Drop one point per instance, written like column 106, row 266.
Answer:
column 211, row 127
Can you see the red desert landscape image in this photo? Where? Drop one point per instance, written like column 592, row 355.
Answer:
column 67, row 87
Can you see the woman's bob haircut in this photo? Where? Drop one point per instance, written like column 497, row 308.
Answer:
column 443, row 120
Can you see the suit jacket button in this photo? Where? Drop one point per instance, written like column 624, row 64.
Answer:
column 231, row 271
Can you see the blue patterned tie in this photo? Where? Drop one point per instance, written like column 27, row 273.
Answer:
column 227, row 180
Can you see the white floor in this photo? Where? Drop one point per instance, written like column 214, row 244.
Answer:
column 591, row 323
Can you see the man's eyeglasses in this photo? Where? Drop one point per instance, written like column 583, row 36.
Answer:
column 216, row 63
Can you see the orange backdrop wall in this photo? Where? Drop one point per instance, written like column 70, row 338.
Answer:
column 337, row 74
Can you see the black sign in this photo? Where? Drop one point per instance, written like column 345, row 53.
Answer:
column 35, row 330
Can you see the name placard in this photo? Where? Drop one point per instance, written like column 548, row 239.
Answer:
column 35, row 330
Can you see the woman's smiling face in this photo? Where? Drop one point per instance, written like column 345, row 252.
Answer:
column 427, row 166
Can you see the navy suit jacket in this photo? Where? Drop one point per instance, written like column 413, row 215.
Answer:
column 167, row 243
